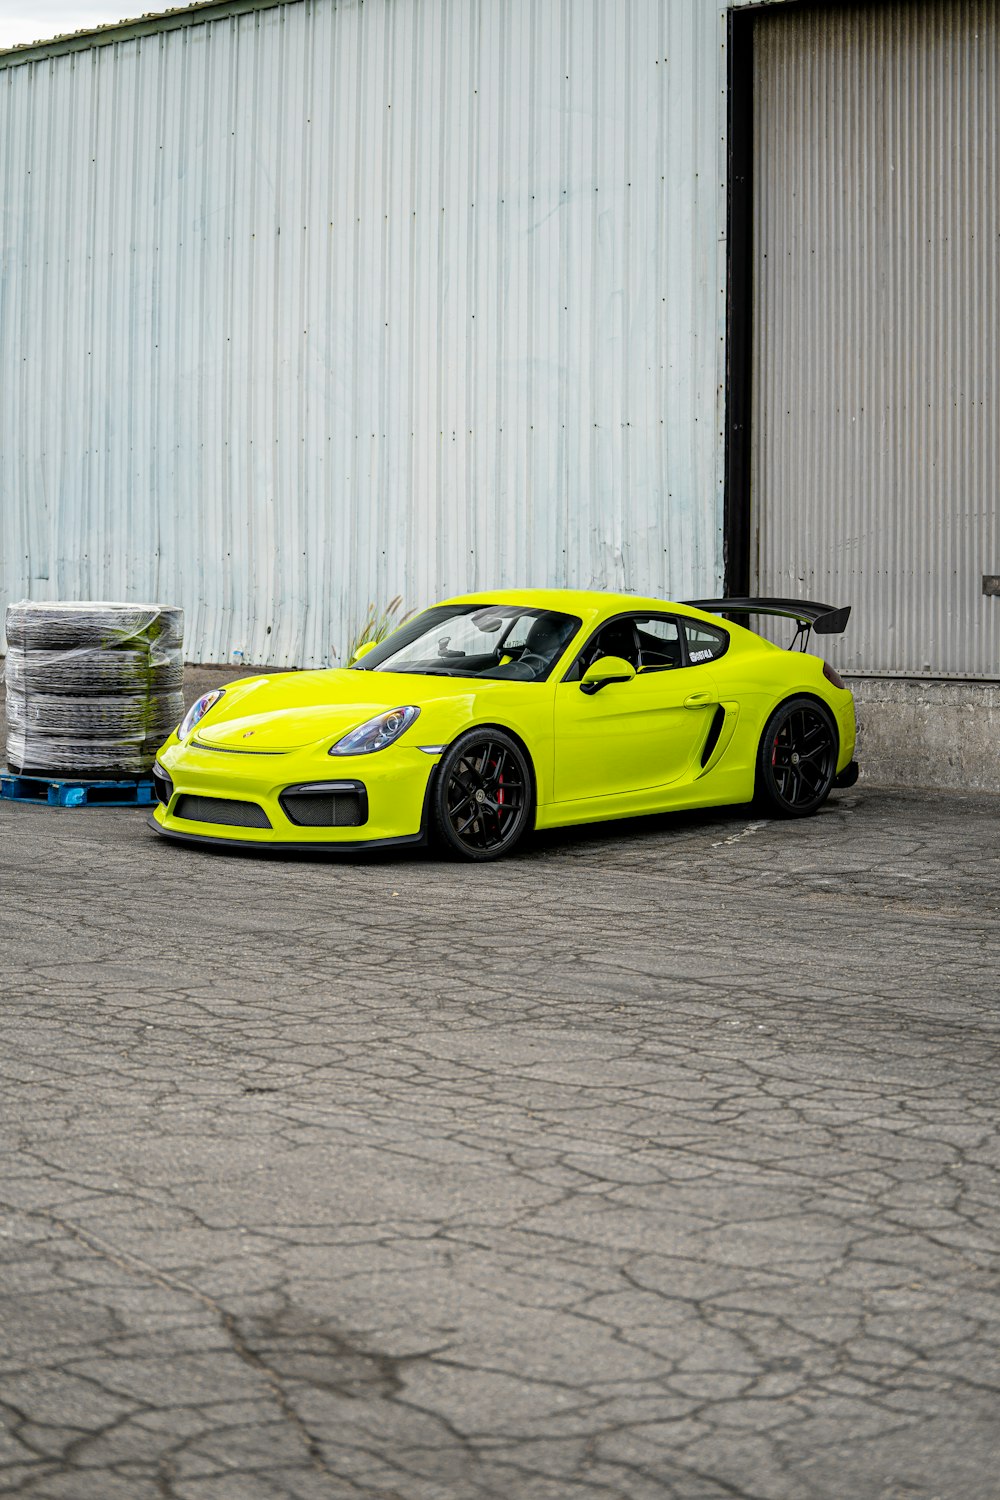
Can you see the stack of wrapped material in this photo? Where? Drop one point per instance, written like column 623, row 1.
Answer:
column 92, row 689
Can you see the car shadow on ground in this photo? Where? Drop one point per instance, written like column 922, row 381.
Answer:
column 541, row 844
column 637, row 830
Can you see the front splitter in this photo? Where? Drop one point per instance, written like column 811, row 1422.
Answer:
column 247, row 846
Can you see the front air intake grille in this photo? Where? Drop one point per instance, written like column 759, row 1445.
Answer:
column 333, row 805
column 221, row 810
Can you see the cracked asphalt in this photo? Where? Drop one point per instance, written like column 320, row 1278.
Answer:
column 660, row 1161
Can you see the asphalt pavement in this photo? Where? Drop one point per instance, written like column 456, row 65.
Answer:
column 658, row 1161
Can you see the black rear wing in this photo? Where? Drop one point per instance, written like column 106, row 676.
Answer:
column 822, row 618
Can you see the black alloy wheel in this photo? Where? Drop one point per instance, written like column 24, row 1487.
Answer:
column 483, row 795
column 797, row 759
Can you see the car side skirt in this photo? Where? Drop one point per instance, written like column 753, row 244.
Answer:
column 723, row 789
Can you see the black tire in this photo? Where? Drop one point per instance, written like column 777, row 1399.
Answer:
column 484, row 795
column 796, row 759
column 49, row 755
column 93, row 672
column 67, row 627
column 129, row 716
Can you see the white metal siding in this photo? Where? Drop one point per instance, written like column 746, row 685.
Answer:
column 876, row 413
column 309, row 306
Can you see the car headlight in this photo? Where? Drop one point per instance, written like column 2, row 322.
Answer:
column 197, row 712
column 376, row 733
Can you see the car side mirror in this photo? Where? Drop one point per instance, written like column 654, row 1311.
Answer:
column 362, row 650
column 606, row 670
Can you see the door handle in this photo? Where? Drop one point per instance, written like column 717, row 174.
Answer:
column 699, row 700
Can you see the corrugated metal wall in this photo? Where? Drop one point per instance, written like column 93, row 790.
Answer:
column 876, row 409
column 309, row 306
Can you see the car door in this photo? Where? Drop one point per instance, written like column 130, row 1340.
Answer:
column 635, row 735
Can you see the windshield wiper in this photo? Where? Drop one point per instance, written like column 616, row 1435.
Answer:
column 421, row 671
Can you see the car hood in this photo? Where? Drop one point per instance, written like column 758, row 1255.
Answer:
column 298, row 709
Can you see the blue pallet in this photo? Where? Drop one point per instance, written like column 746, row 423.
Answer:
column 58, row 791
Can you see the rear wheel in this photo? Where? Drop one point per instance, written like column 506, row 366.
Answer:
column 483, row 795
column 797, row 759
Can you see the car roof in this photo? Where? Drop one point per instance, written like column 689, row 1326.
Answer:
column 590, row 603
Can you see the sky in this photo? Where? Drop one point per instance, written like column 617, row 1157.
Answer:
column 37, row 20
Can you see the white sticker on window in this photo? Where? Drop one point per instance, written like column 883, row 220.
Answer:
column 701, row 656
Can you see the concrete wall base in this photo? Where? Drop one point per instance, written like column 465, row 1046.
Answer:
column 937, row 734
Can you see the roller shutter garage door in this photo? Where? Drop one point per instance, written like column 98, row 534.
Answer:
column 875, row 436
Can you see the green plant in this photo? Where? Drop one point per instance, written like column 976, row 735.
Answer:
column 378, row 623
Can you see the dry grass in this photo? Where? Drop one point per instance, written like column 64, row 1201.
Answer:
column 379, row 622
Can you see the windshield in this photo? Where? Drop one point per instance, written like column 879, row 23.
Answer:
column 476, row 640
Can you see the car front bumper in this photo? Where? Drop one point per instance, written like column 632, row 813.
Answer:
column 198, row 786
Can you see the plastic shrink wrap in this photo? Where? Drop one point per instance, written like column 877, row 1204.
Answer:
column 92, row 689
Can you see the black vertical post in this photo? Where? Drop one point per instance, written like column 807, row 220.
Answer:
column 739, row 302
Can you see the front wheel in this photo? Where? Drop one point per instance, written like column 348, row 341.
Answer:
column 483, row 795
column 797, row 759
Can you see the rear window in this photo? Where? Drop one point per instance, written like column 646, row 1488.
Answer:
column 704, row 642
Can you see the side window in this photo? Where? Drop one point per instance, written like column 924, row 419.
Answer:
column 617, row 638
column 659, row 644
column 704, row 642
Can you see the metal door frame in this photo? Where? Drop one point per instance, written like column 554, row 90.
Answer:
column 739, row 299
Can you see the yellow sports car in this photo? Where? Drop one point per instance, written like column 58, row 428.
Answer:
column 493, row 714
